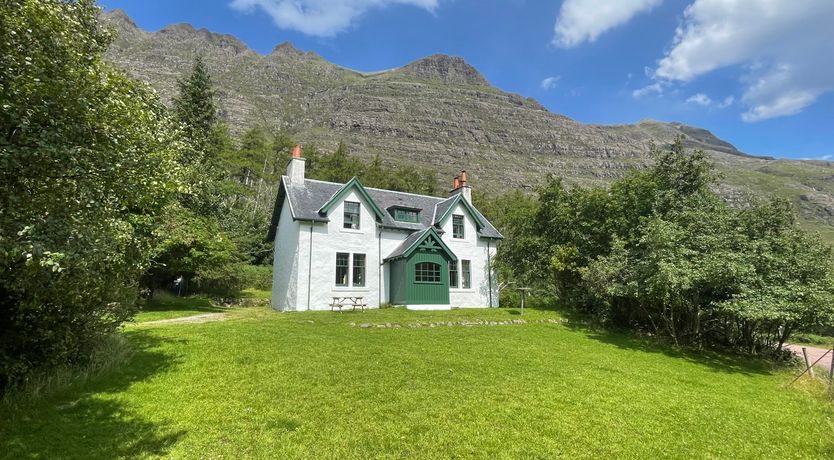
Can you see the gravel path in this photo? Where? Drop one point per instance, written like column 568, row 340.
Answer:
column 204, row 318
column 813, row 354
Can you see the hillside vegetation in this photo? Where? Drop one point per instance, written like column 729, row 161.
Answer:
column 441, row 113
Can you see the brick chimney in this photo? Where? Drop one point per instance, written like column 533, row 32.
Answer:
column 461, row 185
column 295, row 168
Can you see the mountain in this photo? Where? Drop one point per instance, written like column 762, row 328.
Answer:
column 440, row 112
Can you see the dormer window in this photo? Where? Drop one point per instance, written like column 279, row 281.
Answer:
column 351, row 215
column 406, row 215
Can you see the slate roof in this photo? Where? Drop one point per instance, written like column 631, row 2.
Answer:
column 415, row 238
column 400, row 250
column 306, row 200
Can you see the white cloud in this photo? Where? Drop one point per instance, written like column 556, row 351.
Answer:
column 728, row 101
column 700, row 99
column 585, row 20
column 656, row 87
column 321, row 18
column 550, row 82
column 784, row 46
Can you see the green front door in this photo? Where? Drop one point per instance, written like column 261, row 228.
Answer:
column 427, row 277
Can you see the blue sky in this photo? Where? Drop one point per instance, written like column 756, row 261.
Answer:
column 757, row 73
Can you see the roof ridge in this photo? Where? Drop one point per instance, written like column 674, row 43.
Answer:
column 404, row 193
column 378, row 189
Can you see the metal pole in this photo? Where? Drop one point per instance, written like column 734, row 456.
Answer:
column 489, row 273
column 310, row 267
column 523, row 294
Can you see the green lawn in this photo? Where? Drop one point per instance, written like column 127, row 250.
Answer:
column 167, row 306
column 311, row 385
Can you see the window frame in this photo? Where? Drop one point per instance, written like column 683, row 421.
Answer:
column 458, row 223
column 418, row 271
column 354, row 267
column 466, row 274
column 400, row 213
column 453, row 275
column 348, row 217
column 345, row 267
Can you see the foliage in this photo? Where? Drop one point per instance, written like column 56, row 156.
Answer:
column 340, row 167
column 257, row 277
column 660, row 252
column 196, row 110
column 88, row 159
column 193, row 246
column 548, row 391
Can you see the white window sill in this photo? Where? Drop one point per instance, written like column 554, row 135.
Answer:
column 351, row 289
column 351, row 230
column 461, row 291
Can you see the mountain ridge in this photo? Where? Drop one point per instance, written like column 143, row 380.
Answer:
column 440, row 112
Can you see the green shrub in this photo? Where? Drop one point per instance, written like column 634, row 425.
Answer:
column 89, row 160
column 813, row 339
column 257, row 277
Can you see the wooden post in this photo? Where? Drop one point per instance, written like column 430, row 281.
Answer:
column 807, row 363
column 831, row 371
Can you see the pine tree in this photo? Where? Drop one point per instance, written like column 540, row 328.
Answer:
column 196, row 110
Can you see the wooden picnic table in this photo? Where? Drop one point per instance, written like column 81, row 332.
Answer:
column 350, row 301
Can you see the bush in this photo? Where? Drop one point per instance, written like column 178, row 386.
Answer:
column 89, row 160
column 257, row 277
column 813, row 339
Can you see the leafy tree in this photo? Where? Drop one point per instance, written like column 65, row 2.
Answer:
column 192, row 243
column 88, row 161
column 659, row 251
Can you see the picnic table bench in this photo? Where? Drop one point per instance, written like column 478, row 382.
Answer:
column 341, row 302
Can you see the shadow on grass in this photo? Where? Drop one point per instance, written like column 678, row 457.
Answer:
column 166, row 302
column 715, row 360
column 718, row 361
column 89, row 420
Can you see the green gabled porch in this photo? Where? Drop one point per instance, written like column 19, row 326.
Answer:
column 419, row 271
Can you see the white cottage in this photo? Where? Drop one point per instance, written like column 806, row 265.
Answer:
column 346, row 240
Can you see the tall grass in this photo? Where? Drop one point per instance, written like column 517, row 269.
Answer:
column 110, row 353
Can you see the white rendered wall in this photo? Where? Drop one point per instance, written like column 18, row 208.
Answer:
column 332, row 237
column 285, row 262
column 479, row 252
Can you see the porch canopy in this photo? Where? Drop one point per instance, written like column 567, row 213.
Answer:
column 419, row 270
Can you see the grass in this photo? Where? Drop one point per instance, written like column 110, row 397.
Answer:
column 814, row 340
column 167, row 306
column 264, row 384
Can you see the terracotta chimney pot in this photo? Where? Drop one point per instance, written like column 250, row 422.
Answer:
column 296, row 151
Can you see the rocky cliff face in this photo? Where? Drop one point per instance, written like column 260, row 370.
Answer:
column 440, row 112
